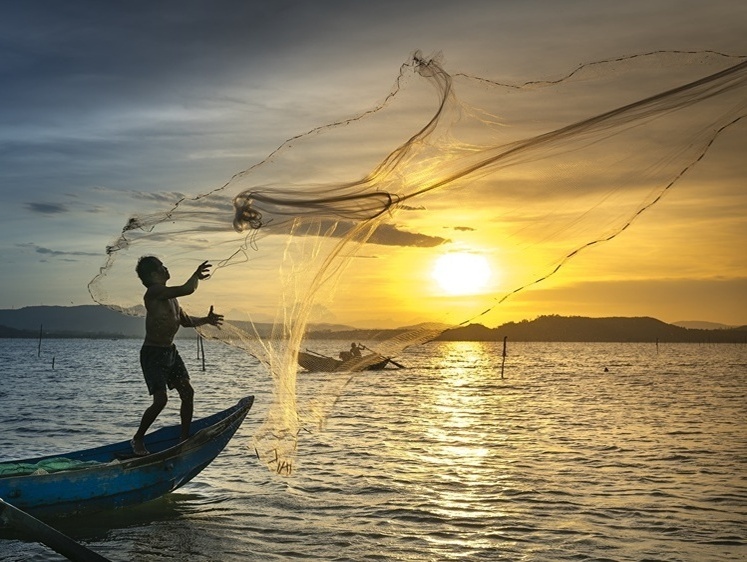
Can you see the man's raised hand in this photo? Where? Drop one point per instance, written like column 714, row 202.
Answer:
column 203, row 270
column 213, row 318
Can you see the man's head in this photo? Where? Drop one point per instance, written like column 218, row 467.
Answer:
column 149, row 268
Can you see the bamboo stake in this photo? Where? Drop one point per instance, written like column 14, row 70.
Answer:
column 202, row 352
column 503, row 361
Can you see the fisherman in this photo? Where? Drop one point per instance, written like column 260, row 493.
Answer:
column 162, row 366
column 355, row 351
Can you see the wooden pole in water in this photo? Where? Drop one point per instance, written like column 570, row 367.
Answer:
column 202, row 352
column 43, row 533
column 503, row 361
column 39, row 351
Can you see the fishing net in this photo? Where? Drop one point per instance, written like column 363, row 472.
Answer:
column 341, row 226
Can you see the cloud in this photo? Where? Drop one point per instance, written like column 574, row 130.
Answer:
column 139, row 195
column 47, row 208
column 162, row 197
column 668, row 299
column 56, row 253
column 384, row 235
column 63, row 208
column 390, row 235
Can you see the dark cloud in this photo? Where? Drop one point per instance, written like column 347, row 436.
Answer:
column 55, row 253
column 385, row 235
column 93, row 90
column 62, row 208
column 47, row 208
column 86, row 54
column 390, row 235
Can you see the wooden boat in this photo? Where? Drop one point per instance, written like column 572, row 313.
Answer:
column 111, row 476
column 316, row 362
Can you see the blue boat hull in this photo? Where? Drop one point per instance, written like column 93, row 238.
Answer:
column 121, row 479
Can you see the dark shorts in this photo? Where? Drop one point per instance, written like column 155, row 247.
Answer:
column 162, row 367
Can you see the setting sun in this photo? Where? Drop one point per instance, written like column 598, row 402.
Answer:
column 461, row 273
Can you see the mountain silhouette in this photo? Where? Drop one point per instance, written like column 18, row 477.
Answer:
column 91, row 321
column 583, row 329
column 70, row 321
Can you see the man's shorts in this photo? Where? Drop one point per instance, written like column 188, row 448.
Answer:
column 162, row 367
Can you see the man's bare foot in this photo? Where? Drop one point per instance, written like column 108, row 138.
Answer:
column 183, row 438
column 138, row 447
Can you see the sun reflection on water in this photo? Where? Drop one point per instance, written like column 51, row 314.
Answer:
column 463, row 438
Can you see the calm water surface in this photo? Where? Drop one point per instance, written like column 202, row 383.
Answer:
column 560, row 460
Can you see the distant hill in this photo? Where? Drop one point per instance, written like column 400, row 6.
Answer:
column 700, row 325
column 91, row 321
column 6, row 332
column 582, row 329
column 72, row 321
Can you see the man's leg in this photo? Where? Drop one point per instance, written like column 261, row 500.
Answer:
column 160, row 398
column 187, row 394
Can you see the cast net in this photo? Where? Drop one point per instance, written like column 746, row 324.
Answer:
column 340, row 226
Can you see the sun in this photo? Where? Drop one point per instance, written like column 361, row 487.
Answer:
column 461, row 273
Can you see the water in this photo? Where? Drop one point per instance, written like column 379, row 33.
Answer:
column 442, row 461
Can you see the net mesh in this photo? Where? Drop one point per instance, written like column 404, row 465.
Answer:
column 339, row 226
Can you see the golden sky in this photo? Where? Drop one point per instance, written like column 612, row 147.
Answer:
column 97, row 126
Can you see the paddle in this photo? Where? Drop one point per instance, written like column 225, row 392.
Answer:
column 392, row 361
column 47, row 535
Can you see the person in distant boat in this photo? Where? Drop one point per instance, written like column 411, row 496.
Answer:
column 355, row 351
column 162, row 366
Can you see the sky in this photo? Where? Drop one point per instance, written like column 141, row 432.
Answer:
column 107, row 109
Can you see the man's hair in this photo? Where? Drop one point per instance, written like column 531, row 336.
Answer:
column 145, row 266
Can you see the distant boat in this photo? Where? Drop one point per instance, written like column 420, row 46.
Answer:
column 111, row 476
column 317, row 362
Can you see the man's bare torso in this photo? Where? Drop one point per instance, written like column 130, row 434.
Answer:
column 162, row 321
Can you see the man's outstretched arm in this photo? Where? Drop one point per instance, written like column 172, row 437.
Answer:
column 194, row 321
